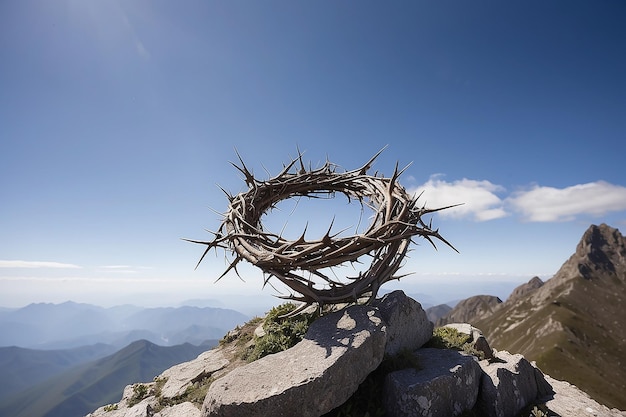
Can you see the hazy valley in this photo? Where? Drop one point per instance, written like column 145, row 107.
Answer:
column 67, row 359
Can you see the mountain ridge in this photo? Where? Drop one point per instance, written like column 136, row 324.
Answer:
column 24, row 367
column 573, row 325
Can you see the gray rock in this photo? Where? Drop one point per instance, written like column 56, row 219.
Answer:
column 508, row 385
column 408, row 326
column 477, row 338
column 447, row 385
column 142, row 409
column 179, row 377
column 185, row 409
column 315, row 376
column 570, row 401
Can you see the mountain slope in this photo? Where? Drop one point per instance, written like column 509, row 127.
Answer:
column 86, row 387
column 437, row 312
column 22, row 368
column 471, row 309
column 574, row 325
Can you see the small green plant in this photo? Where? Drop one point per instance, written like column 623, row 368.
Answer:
column 450, row 338
column 110, row 407
column 159, row 382
column 194, row 393
column 140, row 391
column 281, row 331
column 536, row 410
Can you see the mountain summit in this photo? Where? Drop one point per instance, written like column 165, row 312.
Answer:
column 574, row 325
column 601, row 254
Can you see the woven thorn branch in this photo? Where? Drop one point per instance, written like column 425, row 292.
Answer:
column 301, row 264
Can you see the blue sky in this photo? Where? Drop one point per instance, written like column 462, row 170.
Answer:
column 119, row 120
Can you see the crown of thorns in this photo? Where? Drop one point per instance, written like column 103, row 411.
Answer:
column 397, row 219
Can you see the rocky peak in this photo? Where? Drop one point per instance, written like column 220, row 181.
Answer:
column 522, row 290
column 573, row 324
column 602, row 249
column 471, row 309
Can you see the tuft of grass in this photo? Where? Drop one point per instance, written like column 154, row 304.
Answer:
column 239, row 333
column 281, row 333
column 110, row 407
column 194, row 394
column 140, row 391
column 450, row 338
column 536, row 410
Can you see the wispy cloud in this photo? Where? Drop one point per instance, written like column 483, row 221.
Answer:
column 479, row 199
column 36, row 264
column 123, row 269
column 483, row 200
column 548, row 204
column 115, row 266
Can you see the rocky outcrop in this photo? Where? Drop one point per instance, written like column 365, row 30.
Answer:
column 446, row 385
column 569, row 401
column 477, row 339
column 336, row 355
column 180, row 377
column 338, row 351
column 573, row 324
column 601, row 254
column 408, row 326
column 508, row 384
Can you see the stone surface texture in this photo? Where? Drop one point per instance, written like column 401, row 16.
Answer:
column 408, row 327
column 447, row 385
column 179, row 410
column 569, row 401
column 179, row 377
column 509, row 384
column 315, row 376
column 142, row 409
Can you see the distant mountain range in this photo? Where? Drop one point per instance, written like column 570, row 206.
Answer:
column 85, row 387
column 69, row 325
column 22, row 368
column 67, row 359
column 573, row 325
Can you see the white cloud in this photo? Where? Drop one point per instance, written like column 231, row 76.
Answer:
column 483, row 200
column 479, row 198
column 548, row 204
column 36, row 264
column 115, row 266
